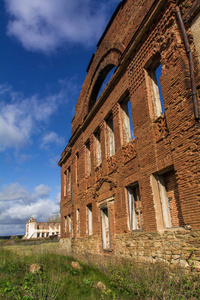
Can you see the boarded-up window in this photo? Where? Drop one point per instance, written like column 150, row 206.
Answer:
column 134, row 207
column 105, row 228
column 98, row 147
column 89, row 218
column 110, row 135
column 127, row 123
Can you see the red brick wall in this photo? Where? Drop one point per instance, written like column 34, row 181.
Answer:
column 168, row 144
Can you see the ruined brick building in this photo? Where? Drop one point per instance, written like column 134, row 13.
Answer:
column 36, row 229
column 130, row 174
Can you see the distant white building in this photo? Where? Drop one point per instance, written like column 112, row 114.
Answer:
column 41, row 229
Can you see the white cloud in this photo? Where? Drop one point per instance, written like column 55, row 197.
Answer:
column 21, row 117
column 14, row 128
column 41, row 210
column 58, row 198
column 45, row 25
column 18, row 204
column 14, row 192
column 42, row 191
column 52, row 137
column 53, row 161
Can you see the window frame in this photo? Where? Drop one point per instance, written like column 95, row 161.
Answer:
column 69, row 219
column 154, row 75
column 89, row 219
column 110, row 135
column 98, row 151
column 78, row 221
column 65, row 183
column 65, row 224
column 166, row 199
column 127, row 120
column 134, row 207
column 69, row 185
column 88, row 165
column 77, row 167
column 106, row 242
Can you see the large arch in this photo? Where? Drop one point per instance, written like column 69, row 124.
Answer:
column 107, row 62
column 103, row 62
column 98, row 84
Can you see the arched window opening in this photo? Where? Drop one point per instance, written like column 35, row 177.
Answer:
column 101, row 82
column 105, row 82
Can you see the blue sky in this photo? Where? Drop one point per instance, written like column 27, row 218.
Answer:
column 46, row 46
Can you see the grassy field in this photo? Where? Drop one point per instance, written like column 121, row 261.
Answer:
column 23, row 249
column 57, row 279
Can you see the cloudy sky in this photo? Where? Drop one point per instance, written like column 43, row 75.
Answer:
column 46, row 46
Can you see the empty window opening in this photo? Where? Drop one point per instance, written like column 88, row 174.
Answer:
column 134, row 208
column 88, row 158
column 98, row 147
column 78, row 221
column 166, row 197
column 106, row 81
column 69, row 223
column 101, row 82
column 155, row 74
column 38, row 235
column 105, row 228
column 89, row 218
column 127, row 121
column 110, row 136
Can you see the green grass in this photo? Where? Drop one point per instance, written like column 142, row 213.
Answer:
column 58, row 280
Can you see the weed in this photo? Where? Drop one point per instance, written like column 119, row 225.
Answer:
column 108, row 294
column 87, row 282
column 57, row 280
column 119, row 278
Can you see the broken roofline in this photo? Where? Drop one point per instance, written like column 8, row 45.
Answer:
column 106, row 29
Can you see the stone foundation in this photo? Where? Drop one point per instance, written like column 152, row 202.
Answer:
column 176, row 248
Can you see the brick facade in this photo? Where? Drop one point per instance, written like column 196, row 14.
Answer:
column 134, row 152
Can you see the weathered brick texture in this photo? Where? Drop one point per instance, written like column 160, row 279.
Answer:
column 153, row 174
